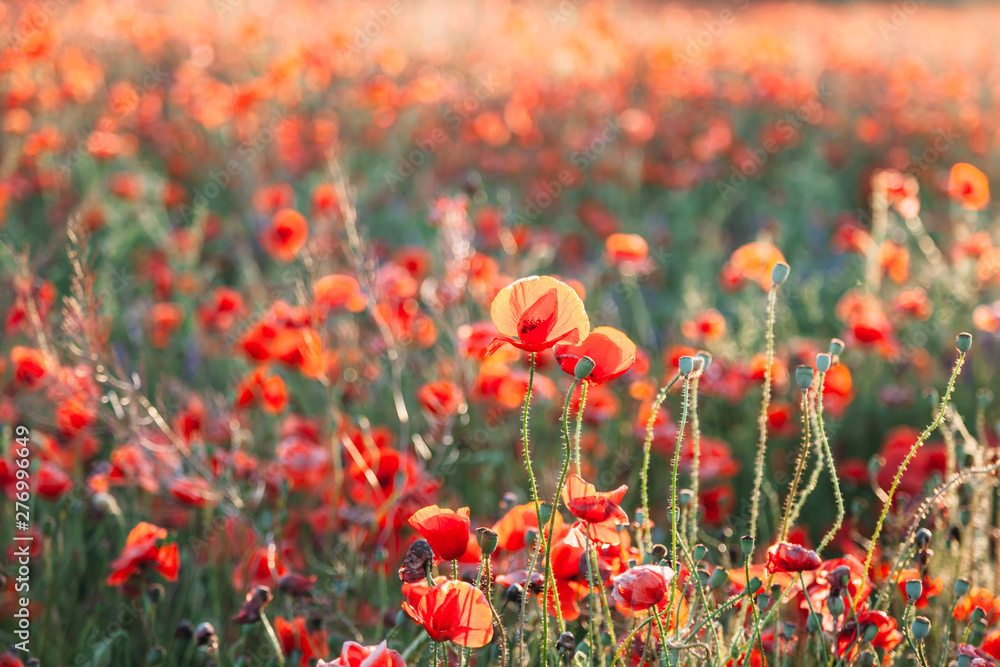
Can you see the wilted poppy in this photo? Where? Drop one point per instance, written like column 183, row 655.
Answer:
column 353, row 654
column 535, row 313
column 142, row 552
column 612, row 352
column 641, row 587
column 599, row 512
column 968, row 186
column 454, row 611
column 787, row 557
column 445, row 530
column 286, row 234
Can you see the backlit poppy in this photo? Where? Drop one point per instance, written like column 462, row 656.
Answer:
column 353, row 654
column 787, row 557
column 286, row 234
column 339, row 291
column 612, row 352
column 445, row 530
column 535, row 313
column 599, row 512
column 887, row 635
column 142, row 552
column 454, row 611
column 968, row 186
column 641, row 587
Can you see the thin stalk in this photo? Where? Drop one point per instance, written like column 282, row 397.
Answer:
column 799, row 465
column 646, row 542
column 758, row 475
column 828, row 453
column 674, row 501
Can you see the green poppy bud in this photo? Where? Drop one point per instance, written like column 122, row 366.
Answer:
column 779, row 274
column 746, row 544
column 804, row 377
column 685, row 365
column 836, row 347
column 584, row 367
column 487, row 540
column 962, row 586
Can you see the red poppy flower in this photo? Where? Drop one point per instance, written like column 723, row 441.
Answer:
column 787, row 557
column 707, row 325
column 51, row 481
column 628, row 251
column 142, row 552
column 440, row 399
column 353, row 654
column 454, row 611
column 219, row 313
column 611, row 351
column 968, row 186
column 339, row 291
column 641, row 587
column 30, row 366
column 164, row 319
column 445, row 530
column 990, row 645
column 513, row 527
column 887, row 637
column 294, row 637
column 535, row 313
column 598, row 511
column 286, row 235
column 978, row 598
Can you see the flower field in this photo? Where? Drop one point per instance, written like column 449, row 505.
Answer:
column 578, row 332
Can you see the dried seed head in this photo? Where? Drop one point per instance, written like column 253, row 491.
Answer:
column 419, row 557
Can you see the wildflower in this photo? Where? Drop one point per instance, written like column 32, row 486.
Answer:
column 445, row 530
column 887, row 636
column 968, row 186
column 929, row 587
column 641, row 587
column 535, row 313
column 612, row 352
column 786, row 557
column 286, row 235
column 142, row 552
column 294, row 636
column 339, row 292
column 599, row 512
column 353, row 654
column 454, row 611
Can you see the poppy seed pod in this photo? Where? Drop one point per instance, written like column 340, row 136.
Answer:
column 836, row 605
column 659, row 552
column 978, row 632
column 746, row 544
column 487, row 540
column 914, row 589
column 685, row 365
column 719, row 578
column 584, row 367
column 962, row 586
column 763, row 599
column 964, row 660
column 704, row 578
column 685, row 497
column 700, row 551
column 706, row 360
column 923, row 537
column 867, row 659
column 836, row 347
column 870, row 633
column 823, row 362
column 964, row 342
column 814, row 623
column 515, row 593
column 566, row 643
column 754, row 584
column 921, row 627
column 779, row 274
column 804, row 377
column 205, row 637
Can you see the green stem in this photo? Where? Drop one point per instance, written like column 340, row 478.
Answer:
column 646, row 543
column 758, row 475
column 799, row 465
column 273, row 638
column 913, row 450
column 674, row 500
column 579, row 426
column 828, row 453
column 695, row 462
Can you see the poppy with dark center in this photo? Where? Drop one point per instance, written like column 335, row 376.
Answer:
column 599, row 511
column 787, row 557
column 887, row 635
column 968, row 186
column 642, row 587
column 142, row 553
column 353, row 654
column 535, row 313
column 612, row 352
column 446, row 531
column 286, row 234
column 453, row 611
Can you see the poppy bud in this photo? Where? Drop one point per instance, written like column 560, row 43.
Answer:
column 544, row 513
column 836, row 347
column 704, row 578
column 754, row 584
column 155, row 593
column 156, row 655
column 779, row 274
column 686, row 496
column 659, row 552
column 584, row 367
column 700, row 551
column 823, row 362
column 964, row 342
column 566, row 644
column 804, row 377
column 978, row 614
column 719, row 578
column 921, row 627
column 419, row 557
column 685, row 365
column 763, row 599
column 923, row 537
column 870, row 633
column 253, row 605
column 706, row 360
column 978, row 631
column 746, row 544
column 835, row 605
column 487, row 540
column 961, row 586
column 866, row 659
column 914, row 589
column 184, row 631
column 776, row 591
column 814, row 623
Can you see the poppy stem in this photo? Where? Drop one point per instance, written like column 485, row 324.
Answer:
column 273, row 638
column 579, row 426
column 799, row 465
column 695, row 462
column 646, row 542
column 758, row 474
column 913, row 450
column 674, row 502
column 534, row 499
column 593, row 626
column 825, row 442
column 567, row 454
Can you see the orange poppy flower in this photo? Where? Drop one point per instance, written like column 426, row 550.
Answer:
column 286, row 235
column 535, row 313
column 754, row 262
column 599, row 512
column 445, row 530
column 339, row 291
column 626, row 250
column 440, row 399
column 142, row 553
column 641, row 587
column 164, row 319
column 295, row 637
column 612, row 352
column 30, row 366
column 353, row 654
column 454, row 611
column 513, row 527
column 968, row 186
column 978, row 598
